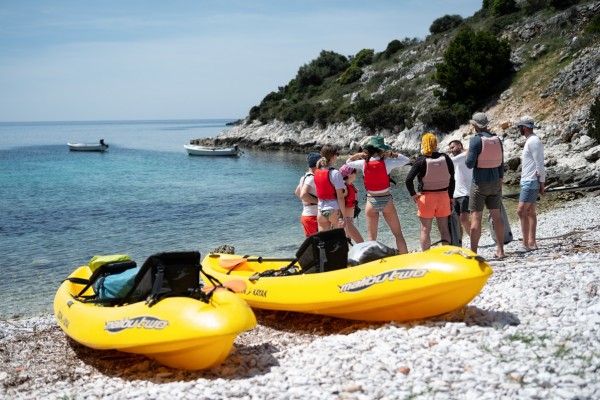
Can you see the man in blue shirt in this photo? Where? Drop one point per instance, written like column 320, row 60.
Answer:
column 486, row 158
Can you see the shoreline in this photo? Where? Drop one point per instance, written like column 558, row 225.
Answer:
column 530, row 333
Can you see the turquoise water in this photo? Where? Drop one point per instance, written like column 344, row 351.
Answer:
column 144, row 195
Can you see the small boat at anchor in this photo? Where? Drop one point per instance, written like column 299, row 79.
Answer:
column 196, row 150
column 100, row 146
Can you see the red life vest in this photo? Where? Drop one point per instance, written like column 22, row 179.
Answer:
column 491, row 153
column 324, row 187
column 375, row 176
column 437, row 176
column 351, row 198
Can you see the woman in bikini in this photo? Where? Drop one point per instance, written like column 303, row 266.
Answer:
column 330, row 186
column 377, row 164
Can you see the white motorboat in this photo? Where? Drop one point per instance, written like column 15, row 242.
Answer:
column 100, row 146
column 196, row 150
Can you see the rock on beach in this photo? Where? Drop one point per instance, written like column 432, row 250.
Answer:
column 532, row 333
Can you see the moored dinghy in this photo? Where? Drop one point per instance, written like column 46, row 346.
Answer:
column 398, row 287
column 196, row 150
column 162, row 314
column 100, row 146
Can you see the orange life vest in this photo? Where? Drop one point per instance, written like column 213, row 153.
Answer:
column 323, row 185
column 375, row 176
column 437, row 176
column 491, row 153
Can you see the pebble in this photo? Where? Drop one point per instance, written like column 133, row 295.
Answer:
column 532, row 333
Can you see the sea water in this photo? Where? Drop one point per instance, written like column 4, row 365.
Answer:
column 145, row 195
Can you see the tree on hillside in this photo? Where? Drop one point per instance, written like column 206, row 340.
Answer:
column 593, row 120
column 473, row 64
column 315, row 72
column 503, row 7
column 445, row 23
column 561, row 4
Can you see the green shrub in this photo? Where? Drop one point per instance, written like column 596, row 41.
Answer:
column 447, row 117
column 352, row 74
column 532, row 6
column 327, row 64
column 392, row 48
column 593, row 121
column 363, row 58
column 594, row 25
column 561, row 4
column 473, row 65
column 445, row 23
column 503, row 7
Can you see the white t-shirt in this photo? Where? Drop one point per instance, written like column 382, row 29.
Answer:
column 533, row 160
column 309, row 209
column 390, row 164
column 463, row 176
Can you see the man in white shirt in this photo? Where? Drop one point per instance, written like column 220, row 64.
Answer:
column 533, row 178
column 463, row 177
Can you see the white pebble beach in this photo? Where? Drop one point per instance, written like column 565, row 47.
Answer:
column 532, row 333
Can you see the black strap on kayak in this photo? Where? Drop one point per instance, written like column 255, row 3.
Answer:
column 101, row 271
column 288, row 270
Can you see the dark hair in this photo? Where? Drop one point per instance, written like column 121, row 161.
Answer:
column 456, row 142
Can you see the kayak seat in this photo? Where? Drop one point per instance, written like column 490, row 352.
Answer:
column 167, row 275
column 323, row 251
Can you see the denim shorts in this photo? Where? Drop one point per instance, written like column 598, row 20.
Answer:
column 529, row 191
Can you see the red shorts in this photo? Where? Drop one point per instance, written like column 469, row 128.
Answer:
column 309, row 222
column 434, row 204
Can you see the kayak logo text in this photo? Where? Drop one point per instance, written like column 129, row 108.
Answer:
column 393, row 275
column 143, row 322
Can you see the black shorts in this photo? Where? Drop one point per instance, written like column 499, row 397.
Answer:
column 461, row 205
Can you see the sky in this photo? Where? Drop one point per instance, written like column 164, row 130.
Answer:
column 79, row 60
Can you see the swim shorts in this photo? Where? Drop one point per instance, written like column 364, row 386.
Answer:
column 434, row 204
column 461, row 205
column 529, row 191
column 488, row 194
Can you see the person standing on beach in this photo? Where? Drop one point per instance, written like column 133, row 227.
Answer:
column 330, row 191
column 533, row 178
column 306, row 192
column 351, row 200
column 486, row 157
column 377, row 164
column 463, row 177
column 435, row 173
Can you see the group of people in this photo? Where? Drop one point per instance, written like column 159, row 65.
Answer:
column 465, row 182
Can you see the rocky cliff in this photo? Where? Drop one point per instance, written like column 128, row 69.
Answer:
column 556, row 85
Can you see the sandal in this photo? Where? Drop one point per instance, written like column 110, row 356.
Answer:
column 522, row 249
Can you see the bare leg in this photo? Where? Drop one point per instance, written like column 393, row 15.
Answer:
column 523, row 210
column 532, row 227
column 465, row 223
column 334, row 219
column 391, row 217
column 323, row 223
column 372, row 216
column 475, row 233
column 351, row 230
column 442, row 223
column 499, row 231
column 425, row 233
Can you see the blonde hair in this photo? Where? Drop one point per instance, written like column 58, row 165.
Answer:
column 328, row 151
column 429, row 144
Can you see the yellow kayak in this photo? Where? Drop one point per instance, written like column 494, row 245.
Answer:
column 398, row 288
column 179, row 332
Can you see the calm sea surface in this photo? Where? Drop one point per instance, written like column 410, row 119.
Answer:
column 144, row 195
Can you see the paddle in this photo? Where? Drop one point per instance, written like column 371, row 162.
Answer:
column 230, row 263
